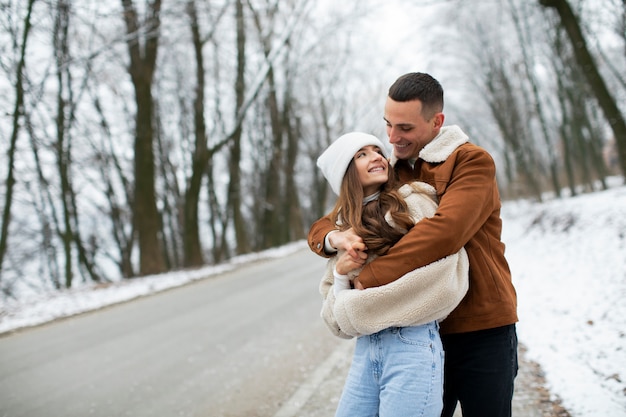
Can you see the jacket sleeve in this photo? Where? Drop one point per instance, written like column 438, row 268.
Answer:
column 328, row 300
column 317, row 233
column 466, row 201
column 426, row 294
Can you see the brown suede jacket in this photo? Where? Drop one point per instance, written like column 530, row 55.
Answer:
column 463, row 175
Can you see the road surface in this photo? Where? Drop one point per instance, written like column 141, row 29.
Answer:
column 246, row 343
column 239, row 344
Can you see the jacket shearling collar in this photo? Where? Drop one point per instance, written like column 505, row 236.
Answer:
column 440, row 148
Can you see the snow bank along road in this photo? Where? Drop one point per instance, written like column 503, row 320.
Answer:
column 237, row 344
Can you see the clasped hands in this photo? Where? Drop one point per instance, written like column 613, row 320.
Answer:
column 352, row 253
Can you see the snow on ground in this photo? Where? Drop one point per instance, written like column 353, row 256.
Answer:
column 47, row 307
column 568, row 259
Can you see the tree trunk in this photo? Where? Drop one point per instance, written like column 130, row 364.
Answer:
column 274, row 218
column 589, row 68
column 234, row 186
column 46, row 211
column 192, row 246
column 320, row 185
column 295, row 226
column 141, row 69
column 170, row 220
column 217, row 222
column 273, row 222
column 596, row 145
column 622, row 27
column 568, row 157
column 119, row 212
column 18, row 110
column 62, row 146
column 507, row 113
column 69, row 231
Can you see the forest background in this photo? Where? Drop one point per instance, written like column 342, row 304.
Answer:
column 139, row 137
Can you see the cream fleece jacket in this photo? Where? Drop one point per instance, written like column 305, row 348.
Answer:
column 423, row 295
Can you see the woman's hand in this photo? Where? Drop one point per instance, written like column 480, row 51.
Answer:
column 348, row 241
column 347, row 263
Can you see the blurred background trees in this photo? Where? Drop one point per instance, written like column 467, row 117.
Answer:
column 145, row 136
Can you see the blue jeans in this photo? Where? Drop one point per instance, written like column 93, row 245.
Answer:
column 397, row 372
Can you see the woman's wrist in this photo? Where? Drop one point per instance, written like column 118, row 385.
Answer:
column 341, row 282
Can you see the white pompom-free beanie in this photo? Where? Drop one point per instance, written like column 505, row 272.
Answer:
column 335, row 159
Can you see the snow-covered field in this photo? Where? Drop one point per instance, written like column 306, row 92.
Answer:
column 568, row 259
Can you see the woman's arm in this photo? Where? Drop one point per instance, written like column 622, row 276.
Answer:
column 328, row 293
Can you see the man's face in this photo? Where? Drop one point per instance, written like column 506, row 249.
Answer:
column 408, row 131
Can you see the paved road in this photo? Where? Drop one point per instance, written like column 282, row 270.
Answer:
column 248, row 343
column 235, row 345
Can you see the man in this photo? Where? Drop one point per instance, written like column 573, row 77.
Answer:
column 479, row 336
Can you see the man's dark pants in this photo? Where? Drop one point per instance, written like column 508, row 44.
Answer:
column 480, row 368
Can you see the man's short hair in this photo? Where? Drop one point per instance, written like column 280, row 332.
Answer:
column 419, row 86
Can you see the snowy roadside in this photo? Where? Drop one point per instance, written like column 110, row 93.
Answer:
column 319, row 396
column 48, row 307
column 568, row 259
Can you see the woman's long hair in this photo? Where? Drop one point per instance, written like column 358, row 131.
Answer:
column 368, row 221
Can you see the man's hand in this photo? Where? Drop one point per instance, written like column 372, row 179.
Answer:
column 349, row 242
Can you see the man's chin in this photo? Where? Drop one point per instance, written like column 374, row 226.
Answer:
column 402, row 154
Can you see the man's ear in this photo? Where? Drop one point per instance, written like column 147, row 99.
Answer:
column 438, row 120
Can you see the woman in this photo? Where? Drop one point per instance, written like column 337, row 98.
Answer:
column 397, row 367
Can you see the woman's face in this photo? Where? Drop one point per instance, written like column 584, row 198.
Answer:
column 372, row 168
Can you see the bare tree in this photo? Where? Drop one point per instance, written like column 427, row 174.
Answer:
column 280, row 218
column 509, row 116
column 293, row 210
column 201, row 154
column 622, row 25
column 143, row 42
column 63, row 142
column 525, row 43
column 320, row 188
column 272, row 222
column 580, row 140
column 117, row 189
column 46, row 212
column 69, row 229
column 234, row 203
column 16, row 115
column 171, row 197
column 182, row 193
column 614, row 66
column 586, row 61
column 502, row 82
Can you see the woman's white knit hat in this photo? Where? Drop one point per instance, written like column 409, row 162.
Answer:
column 335, row 159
